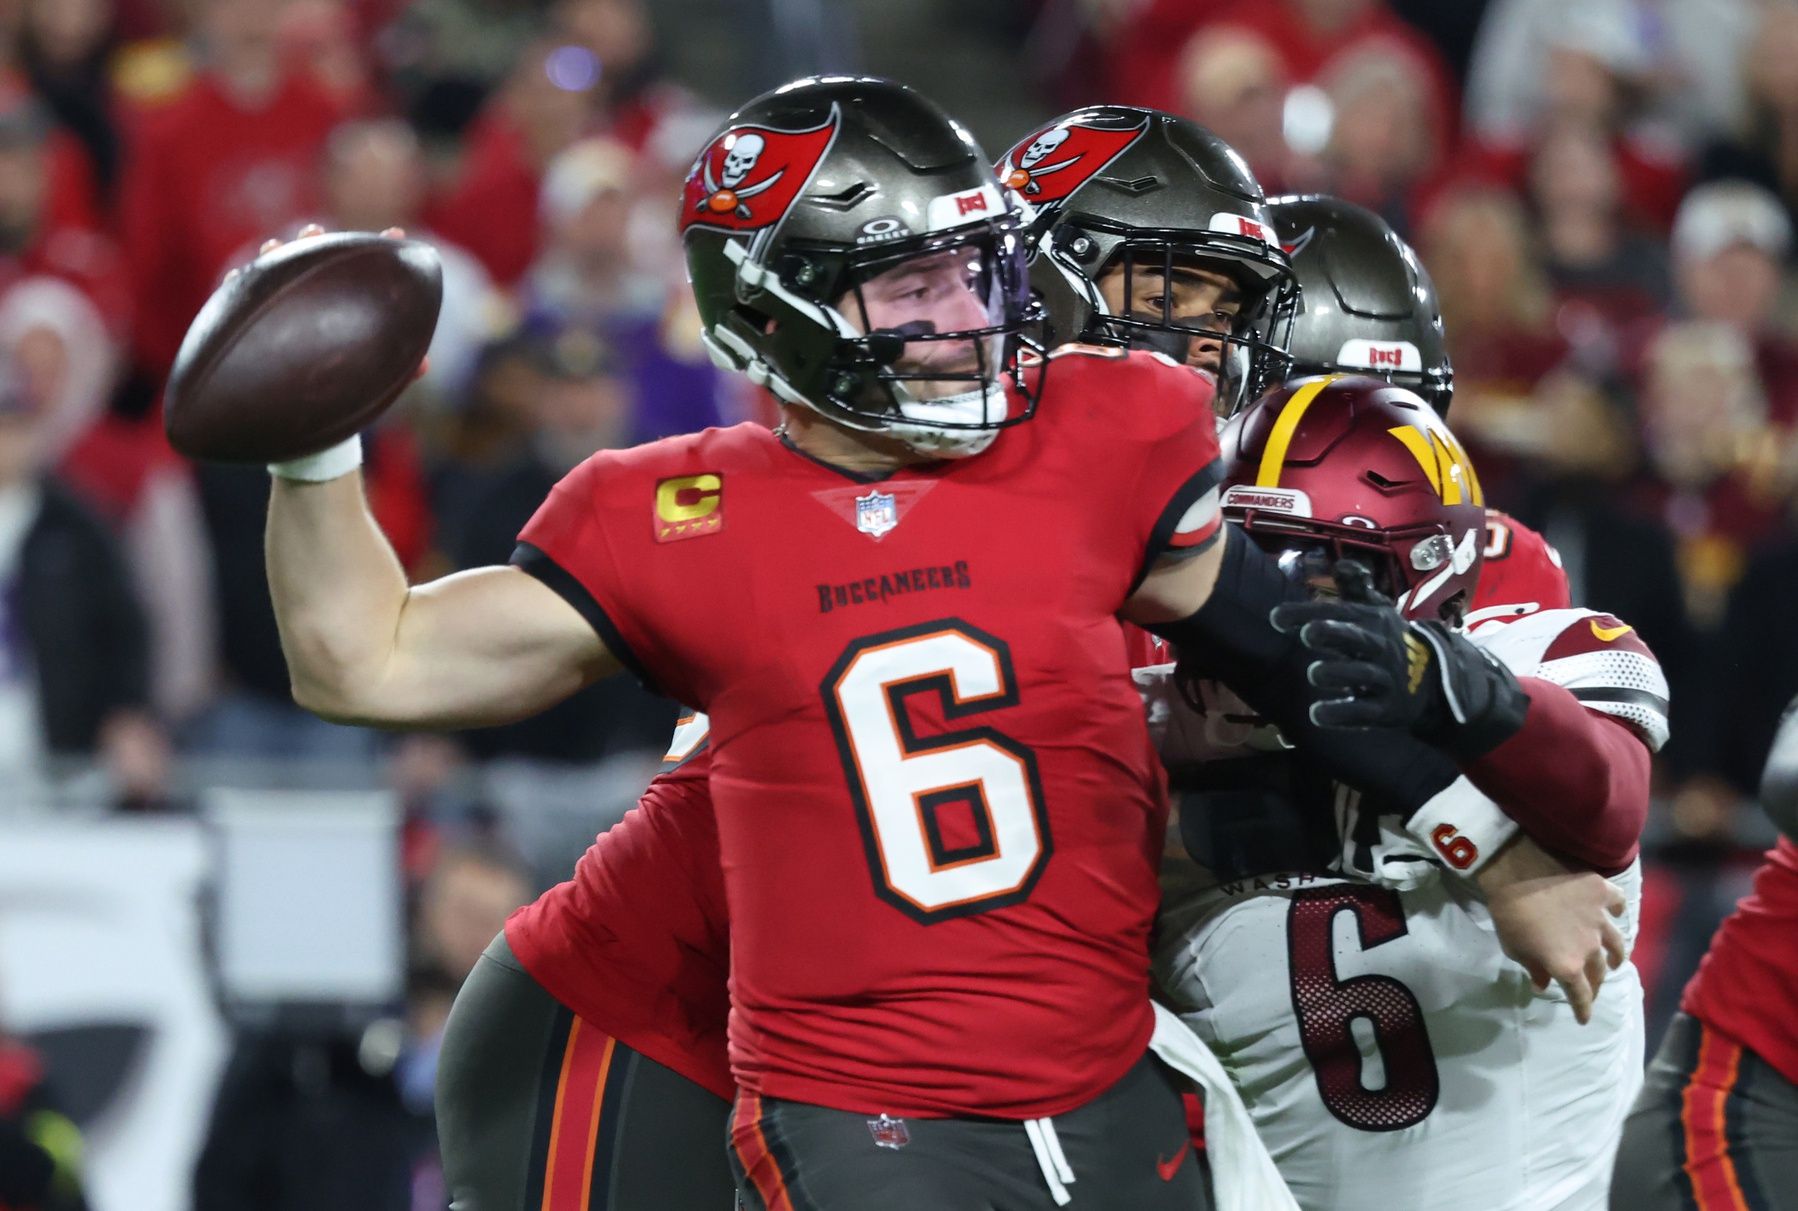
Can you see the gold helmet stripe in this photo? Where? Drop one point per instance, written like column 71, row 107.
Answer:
column 1474, row 491
column 1444, row 462
column 1273, row 457
column 1418, row 443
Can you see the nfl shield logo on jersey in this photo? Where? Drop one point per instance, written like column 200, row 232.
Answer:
column 876, row 513
column 889, row 1132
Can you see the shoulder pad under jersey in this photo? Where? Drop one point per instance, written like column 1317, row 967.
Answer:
column 1598, row 658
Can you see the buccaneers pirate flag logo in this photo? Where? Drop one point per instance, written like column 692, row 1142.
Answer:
column 1053, row 163
column 749, row 176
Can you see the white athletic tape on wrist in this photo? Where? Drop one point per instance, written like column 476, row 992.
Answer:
column 1461, row 827
column 329, row 463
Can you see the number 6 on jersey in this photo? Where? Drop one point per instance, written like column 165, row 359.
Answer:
column 953, row 823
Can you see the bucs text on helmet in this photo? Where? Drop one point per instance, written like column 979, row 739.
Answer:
column 1149, row 231
column 1366, row 303
column 849, row 250
column 1337, row 466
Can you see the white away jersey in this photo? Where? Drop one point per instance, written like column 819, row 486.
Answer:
column 1390, row 1054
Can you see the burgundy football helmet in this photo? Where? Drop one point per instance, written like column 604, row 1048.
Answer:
column 1338, row 466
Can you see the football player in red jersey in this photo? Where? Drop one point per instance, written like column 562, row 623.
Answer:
column 938, row 812
column 1716, row 1125
column 1128, row 238
column 626, row 963
column 1149, row 232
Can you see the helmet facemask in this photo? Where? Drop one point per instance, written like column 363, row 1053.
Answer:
column 917, row 339
column 1146, row 284
column 1409, row 563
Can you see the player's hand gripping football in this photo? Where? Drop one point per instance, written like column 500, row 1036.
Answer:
column 1554, row 920
column 1375, row 669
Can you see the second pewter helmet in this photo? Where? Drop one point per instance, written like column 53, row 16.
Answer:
column 1121, row 187
column 1367, row 305
column 812, row 191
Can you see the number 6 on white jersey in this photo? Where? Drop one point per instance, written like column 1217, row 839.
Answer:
column 911, row 793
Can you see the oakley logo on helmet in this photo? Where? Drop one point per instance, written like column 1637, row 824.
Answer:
column 1381, row 355
column 1053, row 163
column 879, row 231
column 749, row 176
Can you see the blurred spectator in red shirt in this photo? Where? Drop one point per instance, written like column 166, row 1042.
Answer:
column 34, row 239
column 1498, row 310
column 1539, row 66
column 1680, row 58
column 1597, row 259
column 373, row 179
column 65, row 47
column 229, row 160
column 1234, row 81
column 1310, row 36
column 319, row 38
column 1384, row 133
column 549, row 101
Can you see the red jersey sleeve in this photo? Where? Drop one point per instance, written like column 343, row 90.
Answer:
column 1177, row 486
column 1164, row 410
column 593, row 541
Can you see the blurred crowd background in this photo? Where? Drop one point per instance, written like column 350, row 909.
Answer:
column 1604, row 191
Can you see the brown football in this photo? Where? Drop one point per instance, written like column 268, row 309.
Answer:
column 302, row 347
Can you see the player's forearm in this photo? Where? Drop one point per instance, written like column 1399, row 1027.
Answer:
column 338, row 591
column 1575, row 780
column 1229, row 637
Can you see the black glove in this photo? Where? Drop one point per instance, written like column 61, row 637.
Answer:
column 1374, row 669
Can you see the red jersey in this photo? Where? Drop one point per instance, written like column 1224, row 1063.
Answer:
column 636, row 942
column 939, row 812
column 1747, row 983
column 1521, row 573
